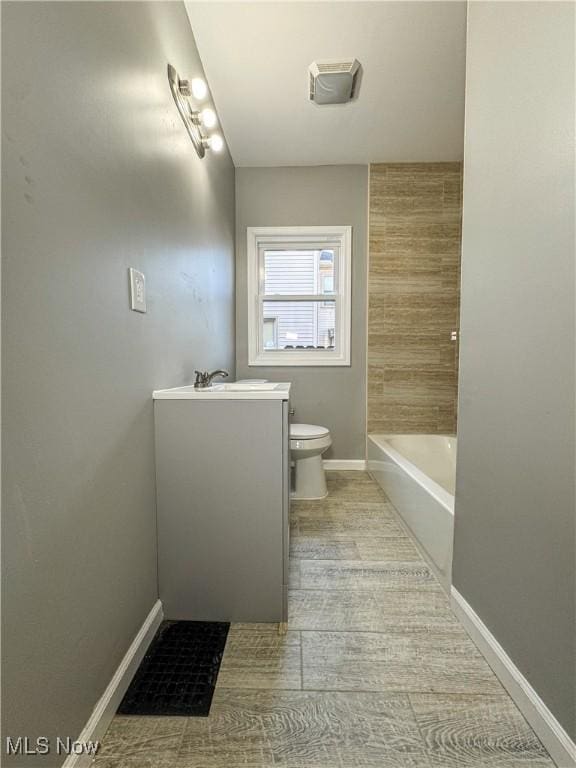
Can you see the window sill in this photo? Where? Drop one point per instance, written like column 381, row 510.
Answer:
column 298, row 359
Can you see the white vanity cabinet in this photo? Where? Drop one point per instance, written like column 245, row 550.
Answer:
column 223, row 495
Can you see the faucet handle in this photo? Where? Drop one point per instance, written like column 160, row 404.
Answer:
column 201, row 377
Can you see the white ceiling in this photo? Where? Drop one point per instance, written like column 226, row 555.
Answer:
column 411, row 99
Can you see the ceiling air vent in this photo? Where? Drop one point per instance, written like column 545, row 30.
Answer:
column 333, row 82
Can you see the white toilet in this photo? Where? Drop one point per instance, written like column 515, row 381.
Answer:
column 307, row 444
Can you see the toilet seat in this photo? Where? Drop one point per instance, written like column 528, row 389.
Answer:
column 307, row 431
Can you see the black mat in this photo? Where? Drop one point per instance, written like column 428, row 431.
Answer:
column 178, row 674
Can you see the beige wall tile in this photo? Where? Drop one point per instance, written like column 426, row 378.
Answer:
column 413, row 286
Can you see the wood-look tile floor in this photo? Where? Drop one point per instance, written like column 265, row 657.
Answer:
column 374, row 672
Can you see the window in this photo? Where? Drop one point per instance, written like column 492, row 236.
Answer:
column 270, row 332
column 299, row 295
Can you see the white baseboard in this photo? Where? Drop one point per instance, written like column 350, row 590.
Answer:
column 358, row 464
column 106, row 707
column 558, row 743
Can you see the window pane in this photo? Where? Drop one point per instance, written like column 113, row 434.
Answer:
column 299, row 324
column 326, row 271
column 270, row 333
column 298, row 272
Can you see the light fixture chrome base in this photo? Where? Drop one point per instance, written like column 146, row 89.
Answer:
column 181, row 90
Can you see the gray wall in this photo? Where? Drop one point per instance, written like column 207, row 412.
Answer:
column 514, row 550
column 98, row 175
column 334, row 397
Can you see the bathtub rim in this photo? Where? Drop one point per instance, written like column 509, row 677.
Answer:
column 440, row 494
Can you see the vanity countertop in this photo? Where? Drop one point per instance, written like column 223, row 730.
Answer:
column 232, row 391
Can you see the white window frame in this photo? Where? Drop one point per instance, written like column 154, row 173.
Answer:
column 298, row 237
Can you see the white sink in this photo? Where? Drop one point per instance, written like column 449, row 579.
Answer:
column 244, row 387
column 237, row 390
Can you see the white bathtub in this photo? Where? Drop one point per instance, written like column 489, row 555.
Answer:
column 417, row 473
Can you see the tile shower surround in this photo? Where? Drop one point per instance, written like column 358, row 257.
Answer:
column 413, row 296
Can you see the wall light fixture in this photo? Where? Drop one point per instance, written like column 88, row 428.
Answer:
column 194, row 118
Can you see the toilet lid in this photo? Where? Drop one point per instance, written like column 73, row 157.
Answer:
column 307, row 431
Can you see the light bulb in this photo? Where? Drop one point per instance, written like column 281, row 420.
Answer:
column 199, row 88
column 216, row 142
column 208, row 117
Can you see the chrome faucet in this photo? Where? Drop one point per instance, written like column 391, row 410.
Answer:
column 204, row 379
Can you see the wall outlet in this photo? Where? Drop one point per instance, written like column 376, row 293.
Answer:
column 137, row 290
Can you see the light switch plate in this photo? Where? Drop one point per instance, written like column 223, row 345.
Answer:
column 137, row 290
